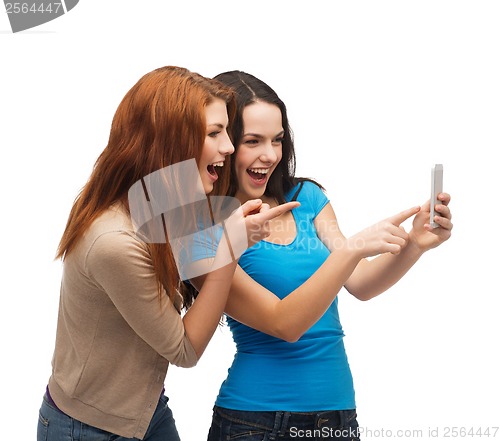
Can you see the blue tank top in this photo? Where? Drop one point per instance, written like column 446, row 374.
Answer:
column 270, row 374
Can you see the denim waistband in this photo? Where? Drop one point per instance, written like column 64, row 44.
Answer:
column 280, row 422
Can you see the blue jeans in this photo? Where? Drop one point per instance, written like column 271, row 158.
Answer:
column 53, row 425
column 283, row 426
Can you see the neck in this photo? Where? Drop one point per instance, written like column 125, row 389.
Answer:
column 265, row 199
column 269, row 200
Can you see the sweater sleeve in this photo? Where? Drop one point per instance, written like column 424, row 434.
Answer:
column 121, row 265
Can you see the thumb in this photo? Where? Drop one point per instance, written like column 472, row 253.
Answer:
column 403, row 215
column 252, row 206
column 427, row 206
column 264, row 207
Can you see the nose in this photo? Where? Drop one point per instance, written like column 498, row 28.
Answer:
column 226, row 147
column 269, row 154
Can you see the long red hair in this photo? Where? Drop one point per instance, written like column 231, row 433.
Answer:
column 159, row 122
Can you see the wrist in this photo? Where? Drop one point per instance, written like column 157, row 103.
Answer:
column 413, row 247
column 354, row 248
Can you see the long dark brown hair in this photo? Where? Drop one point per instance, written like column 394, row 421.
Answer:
column 249, row 89
column 159, row 122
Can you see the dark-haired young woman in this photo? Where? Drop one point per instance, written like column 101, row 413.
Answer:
column 290, row 378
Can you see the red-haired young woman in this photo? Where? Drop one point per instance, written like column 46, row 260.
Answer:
column 120, row 322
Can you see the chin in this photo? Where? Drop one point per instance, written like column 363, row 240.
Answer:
column 255, row 194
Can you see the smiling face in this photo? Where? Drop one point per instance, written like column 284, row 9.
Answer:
column 259, row 151
column 217, row 143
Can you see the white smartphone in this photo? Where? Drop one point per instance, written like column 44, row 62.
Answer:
column 436, row 188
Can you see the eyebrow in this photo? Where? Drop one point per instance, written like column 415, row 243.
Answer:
column 260, row 136
column 221, row 126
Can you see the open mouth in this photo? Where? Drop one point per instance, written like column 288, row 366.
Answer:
column 258, row 175
column 211, row 168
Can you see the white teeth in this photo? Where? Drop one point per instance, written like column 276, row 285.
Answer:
column 218, row 164
column 262, row 171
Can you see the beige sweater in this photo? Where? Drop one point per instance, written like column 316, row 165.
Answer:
column 114, row 339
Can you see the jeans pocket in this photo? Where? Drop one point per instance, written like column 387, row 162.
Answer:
column 214, row 433
column 351, row 427
column 241, row 431
column 351, row 416
column 339, row 427
column 42, row 428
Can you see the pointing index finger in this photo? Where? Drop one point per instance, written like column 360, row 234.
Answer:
column 271, row 213
column 403, row 215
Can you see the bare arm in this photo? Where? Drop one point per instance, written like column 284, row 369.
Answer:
column 288, row 318
column 374, row 277
column 252, row 304
column 202, row 318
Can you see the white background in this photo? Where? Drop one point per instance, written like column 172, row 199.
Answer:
column 377, row 92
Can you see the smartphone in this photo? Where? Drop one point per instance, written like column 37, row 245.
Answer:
column 436, row 188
